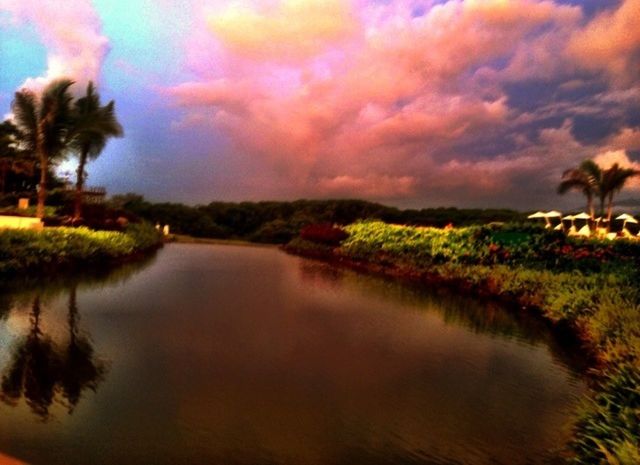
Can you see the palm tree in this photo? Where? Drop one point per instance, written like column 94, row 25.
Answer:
column 93, row 126
column 8, row 150
column 44, row 123
column 586, row 178
column 613, row 180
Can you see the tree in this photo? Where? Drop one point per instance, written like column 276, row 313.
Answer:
column 93, row 126
column 12, row 159
column 586, row 178
column 613, row 181
column 8, row 150
column 44, row 123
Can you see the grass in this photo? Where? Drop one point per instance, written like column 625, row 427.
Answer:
column 25, row 250
column 592, row 286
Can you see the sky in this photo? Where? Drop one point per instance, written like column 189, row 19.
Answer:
column 468, row 103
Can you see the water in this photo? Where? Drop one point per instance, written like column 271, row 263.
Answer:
column 245, row 355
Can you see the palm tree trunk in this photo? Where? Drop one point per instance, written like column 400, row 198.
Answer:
column 77, row 214
column 610, row 208
column 592, row 219
column 42, row 186
column 590, row 207
column 3, row 176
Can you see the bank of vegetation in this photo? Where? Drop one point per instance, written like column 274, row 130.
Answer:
column 56, row 248
column 279, row 222
column 589, row 285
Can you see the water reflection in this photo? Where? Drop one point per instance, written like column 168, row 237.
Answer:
column 237, row 355
column 33, row 369
column 482, row 316
column 80, row 368
column 42, row 370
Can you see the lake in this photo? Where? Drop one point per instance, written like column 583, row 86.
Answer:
column 216, row 354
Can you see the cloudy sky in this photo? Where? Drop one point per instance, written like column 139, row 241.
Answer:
column 412, row 103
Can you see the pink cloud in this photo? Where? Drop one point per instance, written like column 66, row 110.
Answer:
column 71, row 31
column 371, row 186
column 284, row 29
column 626, row 139
column 611, row 157
column 367, row 99
column 611, row 43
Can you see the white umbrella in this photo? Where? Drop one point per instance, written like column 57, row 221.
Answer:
column 570, row 217
column 552, row 214
column 582, row 216
column 540, row 214
column 627, row 219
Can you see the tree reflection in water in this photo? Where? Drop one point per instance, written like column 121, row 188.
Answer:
column 42, row 370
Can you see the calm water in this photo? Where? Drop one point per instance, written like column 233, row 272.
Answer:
column 244, row 355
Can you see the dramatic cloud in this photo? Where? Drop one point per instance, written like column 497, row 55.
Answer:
column 409, row 100
column 611, row 43
column 286, row 29
column 620, row 157
column 412, row 102
column 71, row 32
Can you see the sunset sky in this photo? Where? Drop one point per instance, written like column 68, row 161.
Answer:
column 412, row 103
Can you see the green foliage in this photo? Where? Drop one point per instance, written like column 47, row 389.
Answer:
column 258, row 221
column 593, row 285
column 32, row 250
column 30, row 212
column 274, row 232
column 609, row 429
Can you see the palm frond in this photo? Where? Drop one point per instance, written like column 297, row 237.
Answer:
column 25, row 115
column 93, row 124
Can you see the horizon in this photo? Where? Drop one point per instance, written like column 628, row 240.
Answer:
column 411, row 104
column 628, row 203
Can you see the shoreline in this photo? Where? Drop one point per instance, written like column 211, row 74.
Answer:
column 569, row 334
column 185, row 239
column 67, row 250
column 601, row 428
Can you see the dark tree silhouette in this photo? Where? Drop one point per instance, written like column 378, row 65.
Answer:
column 44, row 123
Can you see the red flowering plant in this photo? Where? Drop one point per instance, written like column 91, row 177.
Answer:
column 324, row 233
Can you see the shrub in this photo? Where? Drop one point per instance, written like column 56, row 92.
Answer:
column 23, row 249
column 324, row 233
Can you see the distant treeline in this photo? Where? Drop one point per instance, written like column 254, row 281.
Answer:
column 278, row 222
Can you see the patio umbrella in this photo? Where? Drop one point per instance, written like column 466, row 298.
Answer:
column 540, row 214
column 626, row 219
column 552, row 214
column 585, row 230
column 571, row 218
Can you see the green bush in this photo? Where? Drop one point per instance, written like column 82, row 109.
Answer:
column 23, row 249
